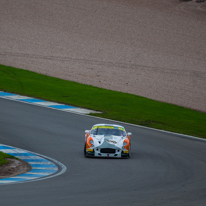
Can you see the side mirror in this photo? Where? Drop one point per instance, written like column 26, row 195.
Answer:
column 129, row 133
column 87, row 131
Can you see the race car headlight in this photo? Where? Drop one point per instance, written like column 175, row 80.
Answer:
column 91, row 141
column 124, row 143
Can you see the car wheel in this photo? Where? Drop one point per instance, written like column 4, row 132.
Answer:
column 130, row 151
column 85, row 150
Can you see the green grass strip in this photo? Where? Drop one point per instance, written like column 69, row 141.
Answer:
column 114, row 105
column 3, row 157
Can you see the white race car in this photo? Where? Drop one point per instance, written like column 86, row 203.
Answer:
column 107, row 140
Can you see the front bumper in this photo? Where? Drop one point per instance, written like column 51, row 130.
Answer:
column 107, row 153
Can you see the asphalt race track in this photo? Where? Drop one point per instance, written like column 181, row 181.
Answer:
column 165, row 169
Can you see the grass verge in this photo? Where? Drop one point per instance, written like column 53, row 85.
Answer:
column 3, row 157
column 114, row 105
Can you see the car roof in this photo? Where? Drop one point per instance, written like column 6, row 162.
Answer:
column 111, row 125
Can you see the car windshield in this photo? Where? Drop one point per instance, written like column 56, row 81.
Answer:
column 107, row 131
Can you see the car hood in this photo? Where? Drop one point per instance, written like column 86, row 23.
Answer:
column 108, row 141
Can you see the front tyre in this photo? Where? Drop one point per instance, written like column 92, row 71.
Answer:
column 85, row 150
column 130, row 151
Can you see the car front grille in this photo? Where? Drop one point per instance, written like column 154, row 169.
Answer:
column 107, row 150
